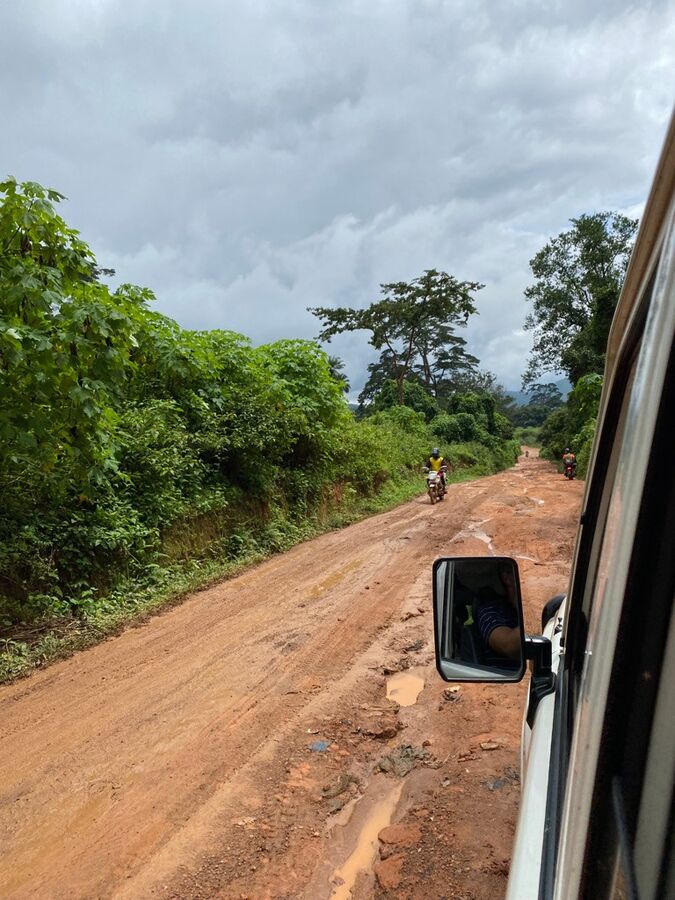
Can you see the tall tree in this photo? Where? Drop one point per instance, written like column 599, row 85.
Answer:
column 578, row 279
column 547, row 395
column 337, row 372
column 379, row 374
column 396, row 322
column 482, row 381
column 442, row 360
column 543, row 400
column 440, row 366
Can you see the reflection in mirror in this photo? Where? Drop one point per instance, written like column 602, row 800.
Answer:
column 478, row 619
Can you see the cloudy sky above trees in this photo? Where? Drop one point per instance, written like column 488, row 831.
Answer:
column 247, row 159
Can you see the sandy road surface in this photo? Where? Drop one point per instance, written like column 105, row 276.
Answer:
column 180, row 758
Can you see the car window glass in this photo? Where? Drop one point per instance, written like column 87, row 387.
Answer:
column 588, row 582
column 624, row 590
column 597, row 498
column 603, row 521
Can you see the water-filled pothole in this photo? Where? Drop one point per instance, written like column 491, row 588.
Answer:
column 405, row 688
column 362, row 857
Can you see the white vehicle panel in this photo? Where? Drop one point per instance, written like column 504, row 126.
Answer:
column 526, row 859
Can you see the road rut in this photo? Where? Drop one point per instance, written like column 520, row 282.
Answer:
column 175, row 760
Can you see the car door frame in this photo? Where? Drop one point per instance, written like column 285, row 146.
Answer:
column 611, row 523
column 561, row 743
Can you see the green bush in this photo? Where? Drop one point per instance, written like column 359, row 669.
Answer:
column 480, row 459
column 130, row 446
column 404, row 435
column 414, row 396
column 583, row 443
column 457, row 428
column 161, row 466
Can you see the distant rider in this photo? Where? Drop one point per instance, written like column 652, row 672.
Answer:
column 569, row 459
column 437, row 463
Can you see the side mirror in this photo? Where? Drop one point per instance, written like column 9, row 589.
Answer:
column 478, row 619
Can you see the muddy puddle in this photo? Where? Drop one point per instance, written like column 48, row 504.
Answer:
column 481, row 535
column 405, row 688
column 473, row 531
column 362, row 857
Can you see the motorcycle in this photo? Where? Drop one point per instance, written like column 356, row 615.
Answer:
column 570, row 471
column 435, row 486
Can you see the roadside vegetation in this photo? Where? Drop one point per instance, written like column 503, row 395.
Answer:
column 139, row 460
column 577, row 282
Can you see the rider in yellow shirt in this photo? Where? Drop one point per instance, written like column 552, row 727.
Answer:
column 437, row 464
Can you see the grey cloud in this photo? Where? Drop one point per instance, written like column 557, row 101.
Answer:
column 247, row 160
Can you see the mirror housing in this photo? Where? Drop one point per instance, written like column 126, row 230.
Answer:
column 478, row 619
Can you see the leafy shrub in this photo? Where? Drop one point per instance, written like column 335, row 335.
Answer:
column 162, row 470
column 128, row 443
column 555, row 434
column 502, row 428
column 583, row 442
column 414, row 396
column 480, row 406
column 480, row 459
column 458, row 428
column 573, row 425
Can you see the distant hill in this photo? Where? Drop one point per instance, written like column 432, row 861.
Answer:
column 520, row 398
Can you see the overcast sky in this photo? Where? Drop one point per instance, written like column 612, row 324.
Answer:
column 247, row 159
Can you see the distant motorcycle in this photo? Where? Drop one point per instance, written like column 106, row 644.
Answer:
column 435, row 486
column 570, row 470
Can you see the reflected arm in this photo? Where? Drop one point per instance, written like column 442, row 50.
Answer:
column 505, row 641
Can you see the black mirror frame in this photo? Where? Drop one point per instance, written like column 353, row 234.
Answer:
column 506, row 679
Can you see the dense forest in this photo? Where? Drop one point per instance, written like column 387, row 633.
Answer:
column 138, row 459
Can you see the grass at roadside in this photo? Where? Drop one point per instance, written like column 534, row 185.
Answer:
column 164, row 587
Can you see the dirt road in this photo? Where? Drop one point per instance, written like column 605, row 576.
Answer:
column 242, row 745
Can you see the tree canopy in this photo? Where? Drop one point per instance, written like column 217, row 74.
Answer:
column 337, row 371
column 405, row 321
column 65, row 342
column 543, row 400
column 578, row 278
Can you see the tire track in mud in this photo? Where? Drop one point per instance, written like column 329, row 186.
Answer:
column 126, row 769
column 166, row 712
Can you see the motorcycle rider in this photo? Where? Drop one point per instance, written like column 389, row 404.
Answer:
column 437, row 463
column 569, row 459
